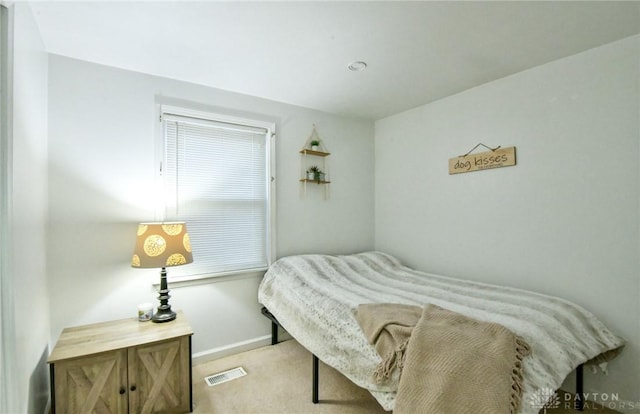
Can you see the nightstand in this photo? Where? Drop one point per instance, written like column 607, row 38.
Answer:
column 123, row 366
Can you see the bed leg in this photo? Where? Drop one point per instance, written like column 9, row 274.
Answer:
column 579, row 388
column 314, row 397
column 274, row 333
column 274, row 324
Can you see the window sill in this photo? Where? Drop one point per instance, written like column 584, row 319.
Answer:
column 185, row 281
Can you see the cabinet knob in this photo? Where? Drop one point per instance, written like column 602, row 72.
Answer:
column 133, row 388
column 122, row 390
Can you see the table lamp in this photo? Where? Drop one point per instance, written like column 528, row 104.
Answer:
column 162, row 245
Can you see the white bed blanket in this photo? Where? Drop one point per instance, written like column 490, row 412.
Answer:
column 314, row 296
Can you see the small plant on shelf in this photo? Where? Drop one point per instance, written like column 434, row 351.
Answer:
column 315, row 144
column 313, row 173
column 316, row 174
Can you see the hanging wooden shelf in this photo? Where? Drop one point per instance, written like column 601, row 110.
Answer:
column 306, row 180
column 316, row 153
column 314, row 156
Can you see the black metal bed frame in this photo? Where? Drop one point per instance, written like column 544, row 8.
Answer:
column 579, row 403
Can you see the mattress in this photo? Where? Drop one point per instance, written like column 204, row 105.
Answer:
column 314, row 298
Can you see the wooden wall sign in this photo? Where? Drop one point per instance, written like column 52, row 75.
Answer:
column 501, row 157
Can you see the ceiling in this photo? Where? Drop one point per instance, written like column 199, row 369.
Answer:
column 298, row 52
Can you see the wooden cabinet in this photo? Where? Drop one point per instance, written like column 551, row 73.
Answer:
column 161, row 374
column 123, row 366
column 92, row 384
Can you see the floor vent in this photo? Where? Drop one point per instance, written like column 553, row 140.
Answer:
column 232, row 374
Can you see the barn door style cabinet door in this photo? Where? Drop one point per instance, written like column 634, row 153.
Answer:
column 123, row 367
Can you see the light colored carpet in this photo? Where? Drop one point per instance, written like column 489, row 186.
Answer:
column 278, row 381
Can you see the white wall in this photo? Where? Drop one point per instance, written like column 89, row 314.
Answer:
column 563, row 221
column 29, row 213
column 101, row 180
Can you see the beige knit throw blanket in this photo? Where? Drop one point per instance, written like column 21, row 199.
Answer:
column 449, row 363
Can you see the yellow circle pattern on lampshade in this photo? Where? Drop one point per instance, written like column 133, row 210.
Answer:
column 186, row 242
column 176, row 259
column 154, row 245
column 162, row 245
column 172, row 229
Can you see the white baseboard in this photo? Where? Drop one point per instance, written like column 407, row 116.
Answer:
column 223, row 351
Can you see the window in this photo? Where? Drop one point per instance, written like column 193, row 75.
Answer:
column 216, row 173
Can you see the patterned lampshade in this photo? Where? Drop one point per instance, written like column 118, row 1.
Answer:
column 162, row 245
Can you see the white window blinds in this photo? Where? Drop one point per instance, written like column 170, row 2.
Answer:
column 216, row 179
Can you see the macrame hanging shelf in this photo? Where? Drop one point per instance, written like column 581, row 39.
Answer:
column 315, row 137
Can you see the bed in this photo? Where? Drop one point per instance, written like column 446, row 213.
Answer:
column 314, row 298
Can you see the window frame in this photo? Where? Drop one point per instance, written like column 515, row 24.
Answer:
column 161, row 209
column 8, row 390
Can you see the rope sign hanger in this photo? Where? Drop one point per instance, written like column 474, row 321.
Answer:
column 480, row 143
